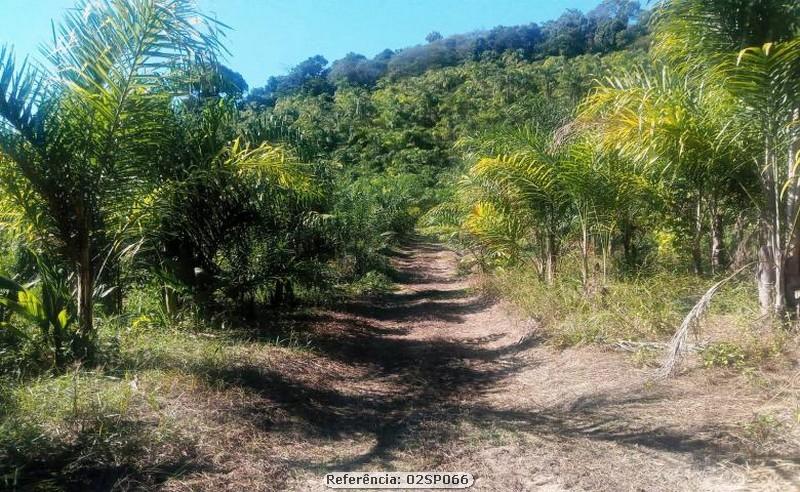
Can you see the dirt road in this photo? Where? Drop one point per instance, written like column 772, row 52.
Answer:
column 434, row 377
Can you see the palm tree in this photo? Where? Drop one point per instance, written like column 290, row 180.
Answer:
column 671, row 128
column 487, row 222
column 605, row 193
column 525, row 168
column 217, row 190
column 80, row 137
column 751, row 49
column 528, row 194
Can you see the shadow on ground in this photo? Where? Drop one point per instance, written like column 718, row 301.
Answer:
column 418, row 392
column 429, row 387
column 97, row 459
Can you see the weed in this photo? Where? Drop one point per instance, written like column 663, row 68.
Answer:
column 724, row 354
column 762, row 429
column 646, row 308
column 293, row 339
column 372, row 283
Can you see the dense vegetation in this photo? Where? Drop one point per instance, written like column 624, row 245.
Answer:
column 592, row 160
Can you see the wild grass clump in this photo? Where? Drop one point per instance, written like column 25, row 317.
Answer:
column 724, row 354
column 52, row 426
column 372, row 283
column 104, row 423
column 644, row 308
column 761, row 431
column 648, row 357
column 747, row 348
column 623, row 310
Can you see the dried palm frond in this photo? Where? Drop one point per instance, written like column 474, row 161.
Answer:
column 677, row 346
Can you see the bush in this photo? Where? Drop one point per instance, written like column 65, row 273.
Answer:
column 761, row 430
column 633, row 309
column 38, row 318
column 370, row 284
column 724, row 354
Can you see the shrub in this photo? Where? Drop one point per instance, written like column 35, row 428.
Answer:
column 761, row 430
column 631, row 309
column 724, row 354
column 371, row 283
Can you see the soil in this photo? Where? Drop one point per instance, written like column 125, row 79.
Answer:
column 437, row 377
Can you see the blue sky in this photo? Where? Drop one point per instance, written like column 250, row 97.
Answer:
column 270, row 36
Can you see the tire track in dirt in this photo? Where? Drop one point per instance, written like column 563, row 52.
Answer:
column 483, row 395
column 436, row 377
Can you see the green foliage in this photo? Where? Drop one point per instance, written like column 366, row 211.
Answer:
column 78, row 137
column 646, row 308
column 762, row 429
column 224, row 221
column 371, row 283
column 223, row 203
column 308, row 77
column 749, row 51
column 585, row 176
column 106, row 418
column 39, row 320
column 724, row 354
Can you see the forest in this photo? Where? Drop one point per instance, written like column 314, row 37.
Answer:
column 556, row 256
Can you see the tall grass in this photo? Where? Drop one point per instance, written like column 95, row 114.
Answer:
column 110, row 421
column 637, row 308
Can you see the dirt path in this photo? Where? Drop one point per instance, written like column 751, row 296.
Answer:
column 433, row 377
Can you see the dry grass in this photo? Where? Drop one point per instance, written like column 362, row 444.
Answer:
column 648, row 311
column 433, row 376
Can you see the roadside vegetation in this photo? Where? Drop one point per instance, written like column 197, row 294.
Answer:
column 608, row 216
column 163, row 225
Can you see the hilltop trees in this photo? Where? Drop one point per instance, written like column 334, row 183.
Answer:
column 433, row 36
column 612, row 26
column 308, row 76
column 355, row 69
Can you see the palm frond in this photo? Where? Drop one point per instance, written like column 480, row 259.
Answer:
column 22, row 90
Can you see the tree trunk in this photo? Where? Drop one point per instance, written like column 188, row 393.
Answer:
column 58, row 349
column 585, row 256
column 171, row 307
column 717, row 240
column 741, row 239
column 771, row 288
column 85, row 290
column 551, row 258
column 792, row 260
column 112, row 302
column 765, row 275
column 629, row 252
column 776, row 231
column 697, row 255
column 283, row 294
